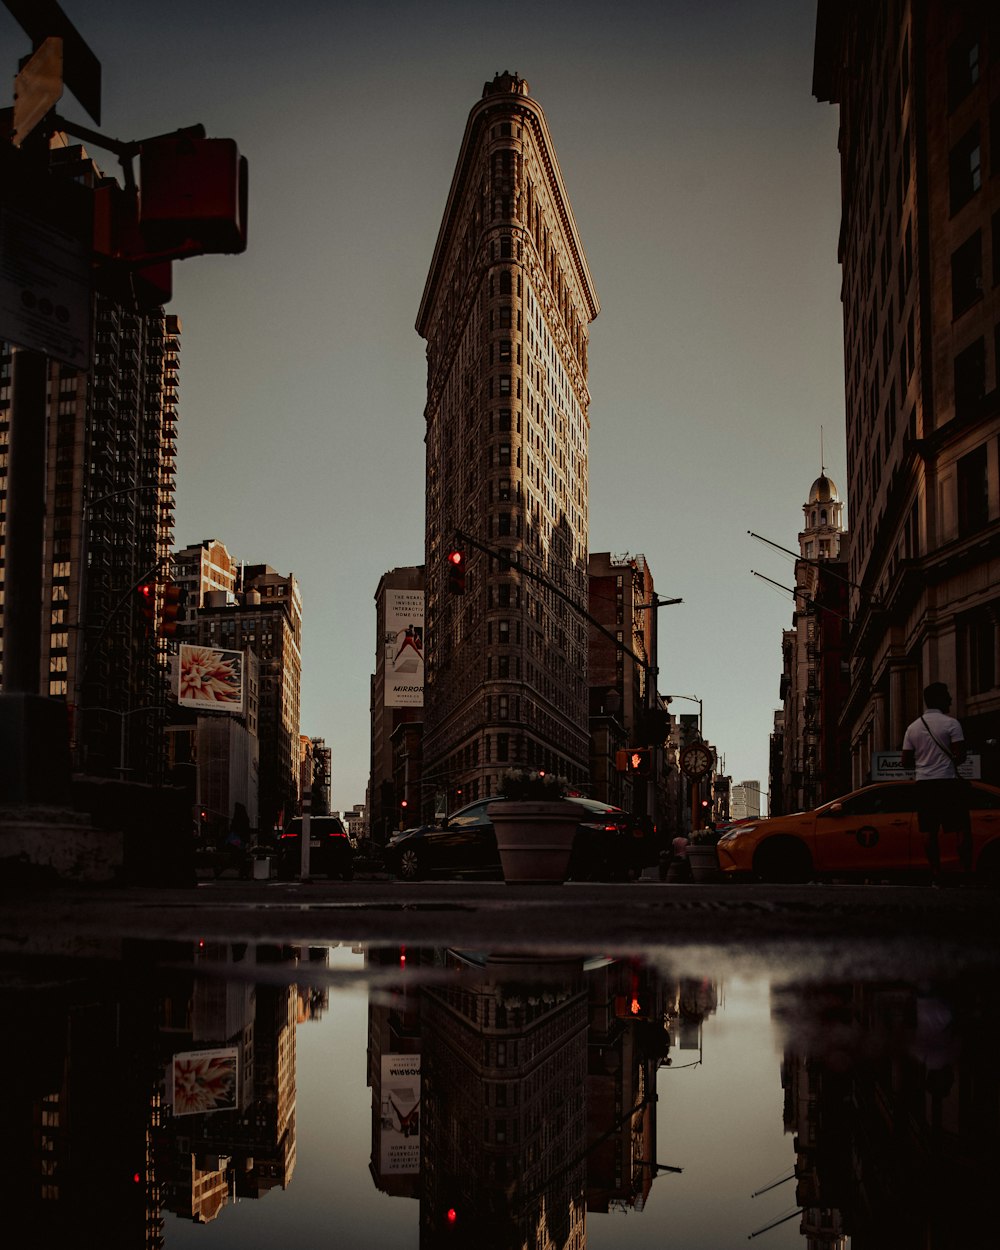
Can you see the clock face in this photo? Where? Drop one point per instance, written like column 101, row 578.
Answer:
column 696, row 760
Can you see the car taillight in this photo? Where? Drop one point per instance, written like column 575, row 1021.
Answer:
column 288, row 835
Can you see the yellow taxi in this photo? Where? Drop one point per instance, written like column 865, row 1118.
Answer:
column 869, row 832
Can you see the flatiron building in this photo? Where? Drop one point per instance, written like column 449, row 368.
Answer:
column 505, row 313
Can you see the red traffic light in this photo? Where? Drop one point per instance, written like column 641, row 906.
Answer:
column 146, row 593
column 456, row 572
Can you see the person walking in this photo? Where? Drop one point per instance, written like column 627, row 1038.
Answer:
column 934, row 746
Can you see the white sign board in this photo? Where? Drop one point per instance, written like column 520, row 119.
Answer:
column 888, row 766
column 45, row 289
column 399, row 1148
column 404, row 648
column 209, row 678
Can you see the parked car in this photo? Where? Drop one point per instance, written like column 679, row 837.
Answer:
column 609, row 843
column 870, row 831
column 331, row 851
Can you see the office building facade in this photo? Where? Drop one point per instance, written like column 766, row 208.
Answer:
column 505, row 313
column 917, row 84
column 109, row 513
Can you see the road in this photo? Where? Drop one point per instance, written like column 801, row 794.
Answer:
column 849, row 930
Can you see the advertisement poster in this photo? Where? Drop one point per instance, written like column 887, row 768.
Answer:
column 400, row 1118
column 209, row 679
column 205, row 1080
column 404, row 648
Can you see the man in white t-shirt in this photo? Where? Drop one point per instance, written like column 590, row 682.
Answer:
column 934, row 746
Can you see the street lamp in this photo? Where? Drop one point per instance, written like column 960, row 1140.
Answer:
column 692, row 698
column 113, row 711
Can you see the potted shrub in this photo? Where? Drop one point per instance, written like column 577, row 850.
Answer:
column 702, row 856
column 535, row 826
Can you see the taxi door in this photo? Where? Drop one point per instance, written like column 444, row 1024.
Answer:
column 871, row 830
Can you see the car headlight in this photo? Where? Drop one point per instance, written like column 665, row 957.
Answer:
column 735, row 834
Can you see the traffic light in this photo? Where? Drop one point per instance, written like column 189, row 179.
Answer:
column 456, row 572
column 174, row 597
column 639, row 761
column 146, row 593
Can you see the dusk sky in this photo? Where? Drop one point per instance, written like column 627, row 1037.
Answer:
column 705, row 183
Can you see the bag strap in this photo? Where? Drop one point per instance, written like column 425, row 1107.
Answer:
column 940, row 747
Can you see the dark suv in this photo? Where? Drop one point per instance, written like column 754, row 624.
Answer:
column 331, row 851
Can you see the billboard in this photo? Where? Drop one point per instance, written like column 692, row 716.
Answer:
column 399, row 1150
column 210, row 679
column 404, row 648
column 205, row 1080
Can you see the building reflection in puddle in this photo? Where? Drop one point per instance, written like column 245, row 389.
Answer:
column 512, row 1098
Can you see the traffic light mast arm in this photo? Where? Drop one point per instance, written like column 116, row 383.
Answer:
column 512, row 559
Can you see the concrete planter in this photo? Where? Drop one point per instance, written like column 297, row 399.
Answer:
column 704, row 861
column 534, row 838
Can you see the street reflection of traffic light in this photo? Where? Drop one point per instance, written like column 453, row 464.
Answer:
column 456, row 572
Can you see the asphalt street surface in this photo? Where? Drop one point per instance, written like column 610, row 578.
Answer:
column 847, row 930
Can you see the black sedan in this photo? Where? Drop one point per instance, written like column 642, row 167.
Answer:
column 331, row 851
column 609, row 844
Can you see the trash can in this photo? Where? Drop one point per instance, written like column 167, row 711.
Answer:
column 261, row 866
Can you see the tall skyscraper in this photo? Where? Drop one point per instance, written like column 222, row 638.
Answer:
column 916, row 82
column 505, row 312
column 109, row 492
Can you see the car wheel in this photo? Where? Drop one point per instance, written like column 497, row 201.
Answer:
column 784, row 860
column 410, row 867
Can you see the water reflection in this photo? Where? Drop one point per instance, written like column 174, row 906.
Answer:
column 513, row 1099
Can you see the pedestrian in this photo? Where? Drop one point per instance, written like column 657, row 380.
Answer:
column 934, row 746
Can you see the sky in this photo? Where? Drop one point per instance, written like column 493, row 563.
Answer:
column 704, row 178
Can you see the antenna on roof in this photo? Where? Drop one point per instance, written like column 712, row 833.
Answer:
column 822, row 458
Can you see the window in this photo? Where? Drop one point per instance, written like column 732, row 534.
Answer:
column 504, row 453
column 973, row 492
column 963, row 68
column 503, row 754
column 505, row 384
column 505, row 280
column 978, row 638
column 503, row 524
column 503, row 707
column 970, row 377
column 504, row 349
column 996, row 239
column 967, row 274
column 966, row 172
column 505, row 317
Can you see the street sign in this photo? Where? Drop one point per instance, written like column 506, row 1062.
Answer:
column 81, row 69
column 37, row 88
column 888, row 766
column 45, row 289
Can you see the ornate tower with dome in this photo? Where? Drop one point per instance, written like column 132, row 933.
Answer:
column 814, row 681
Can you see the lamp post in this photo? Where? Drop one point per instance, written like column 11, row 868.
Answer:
column 692, row 698
column 113, row 711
